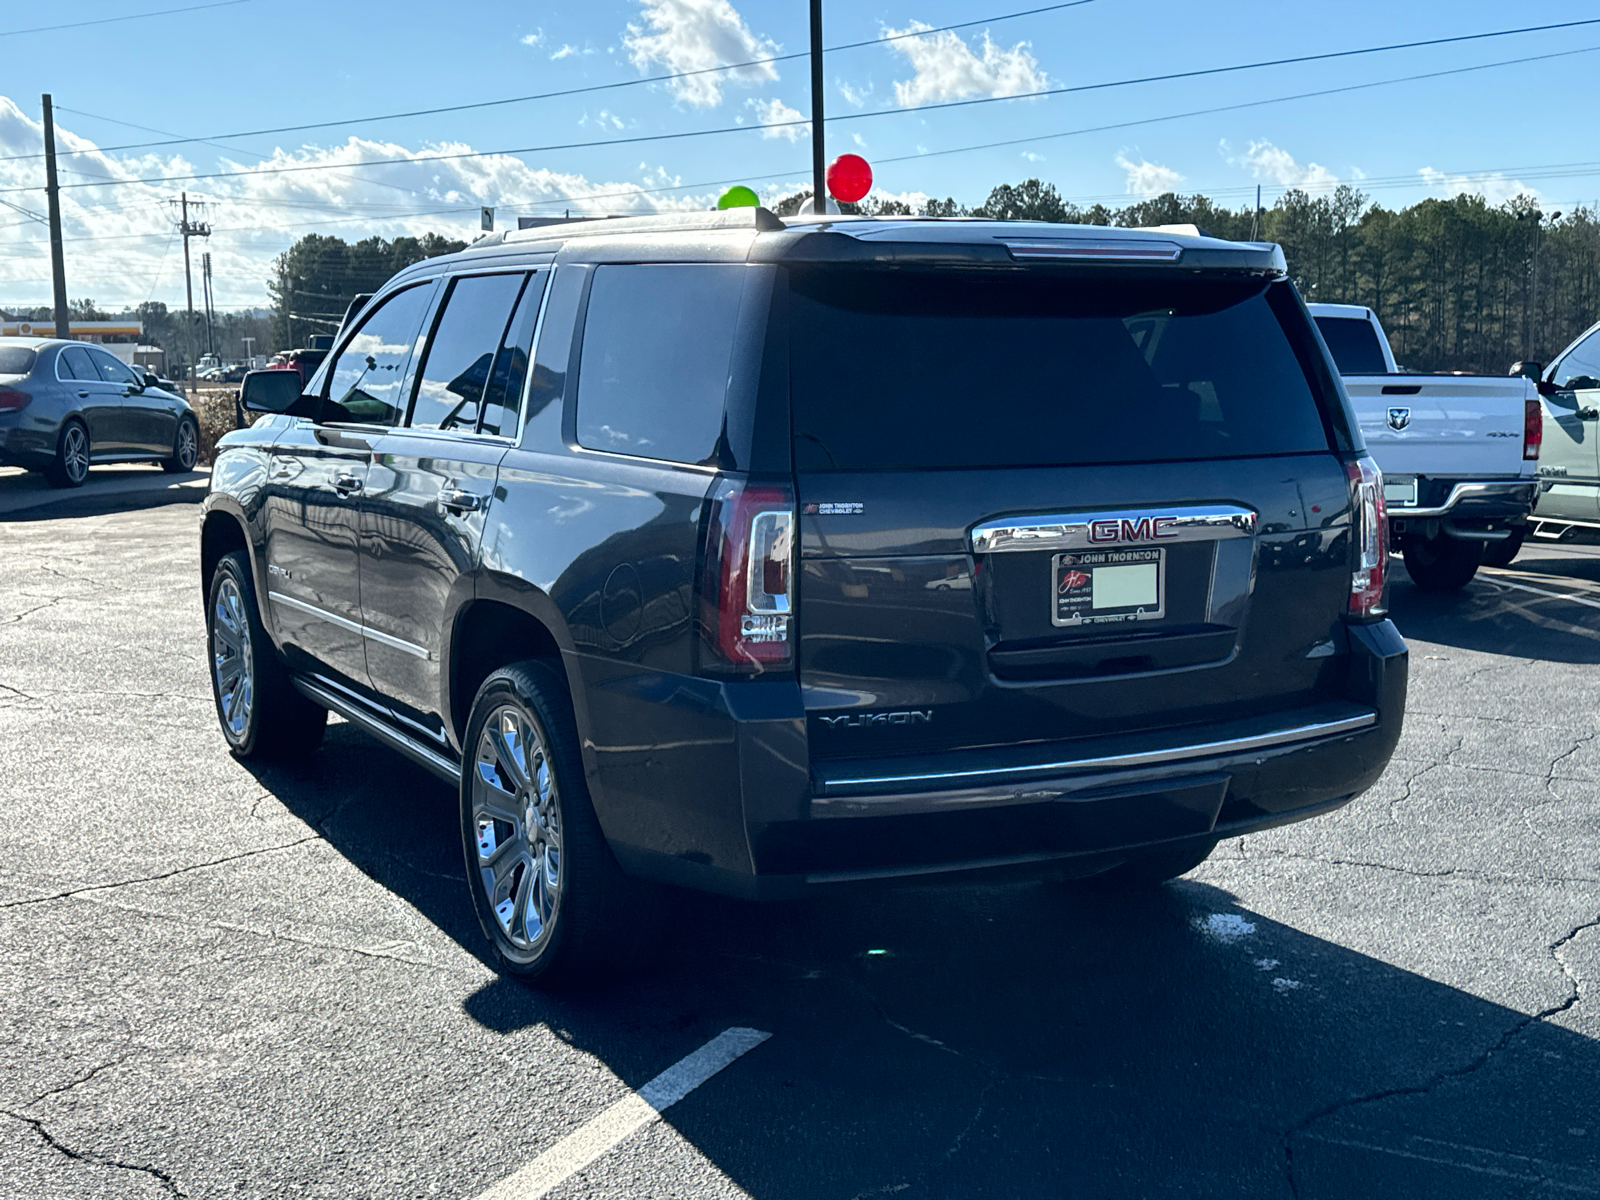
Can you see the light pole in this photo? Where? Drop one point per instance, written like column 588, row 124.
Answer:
column 248, row 342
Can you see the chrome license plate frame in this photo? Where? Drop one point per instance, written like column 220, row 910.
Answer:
column 1074, row 587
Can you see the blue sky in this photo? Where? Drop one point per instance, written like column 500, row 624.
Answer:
column 270, row 63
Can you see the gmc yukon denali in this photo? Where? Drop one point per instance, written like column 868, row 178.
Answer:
column 767, row 556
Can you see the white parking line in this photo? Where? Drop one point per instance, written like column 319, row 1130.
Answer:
column 1523, row 587
column 633, row 1112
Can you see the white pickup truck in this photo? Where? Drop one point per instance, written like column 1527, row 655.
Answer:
column 1459, row 453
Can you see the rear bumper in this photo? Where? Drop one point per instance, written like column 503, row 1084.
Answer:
column 1466, row 508
column 1075, row 807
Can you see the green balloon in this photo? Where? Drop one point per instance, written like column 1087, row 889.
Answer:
column 739, row 197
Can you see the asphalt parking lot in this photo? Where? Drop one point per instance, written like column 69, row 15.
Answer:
column 220, row 981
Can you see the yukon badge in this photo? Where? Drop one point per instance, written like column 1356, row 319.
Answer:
column 876, row 720
column 1399, row 418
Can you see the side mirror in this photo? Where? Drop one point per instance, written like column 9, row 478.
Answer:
column 275, row 392
column 151, row 381
column 1527, row 368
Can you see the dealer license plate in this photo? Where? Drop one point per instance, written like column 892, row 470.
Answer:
column 1102, row 587
column 1400, row 489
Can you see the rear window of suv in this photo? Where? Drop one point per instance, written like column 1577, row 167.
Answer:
column 910, row 370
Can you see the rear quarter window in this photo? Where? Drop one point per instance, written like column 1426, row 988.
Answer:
column 910, row 370
column 657, row 346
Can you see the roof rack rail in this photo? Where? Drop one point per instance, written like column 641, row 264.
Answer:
column 760, row 219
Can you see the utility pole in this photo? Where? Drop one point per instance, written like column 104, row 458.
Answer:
column 189, row 229
column 205, row 280
column 819, row 169
column 52, row 190
column 288, row 308
column 1255, row 217
column 248, row 342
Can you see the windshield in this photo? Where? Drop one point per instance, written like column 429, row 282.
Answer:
column 965, row 370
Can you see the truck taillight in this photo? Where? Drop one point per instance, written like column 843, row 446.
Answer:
column 1532, row 428
column 11, row 399
column 1371, row 524
column 747, row 592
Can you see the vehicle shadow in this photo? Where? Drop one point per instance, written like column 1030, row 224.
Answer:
column 1492, row 618
column 28, row 496
column 1027, row 1039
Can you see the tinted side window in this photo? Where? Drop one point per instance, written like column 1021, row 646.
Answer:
column 1354, row 345
column 1582, row 360
column 455, row 369
column 364, row 385
column 504, row 393
column 113, row 369
column 76, row 364
column 653, row 373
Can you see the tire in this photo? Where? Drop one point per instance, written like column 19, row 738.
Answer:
column 1153, row 867
column 262, row 715
column 1442, row 563
column 558, row 911
column 185, row 447
column 1502, row 554
column 71, row 467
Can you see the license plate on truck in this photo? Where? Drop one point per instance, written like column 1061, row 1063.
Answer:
column 1098, row 587
column 1400, row 489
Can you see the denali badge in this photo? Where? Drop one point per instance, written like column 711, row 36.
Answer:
column 1399, row 418
column 915, row 716
column 1136, row 529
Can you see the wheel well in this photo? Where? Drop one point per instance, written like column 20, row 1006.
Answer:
column 488, row 636
column 221, row 535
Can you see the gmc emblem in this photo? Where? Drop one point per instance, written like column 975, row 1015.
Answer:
column 1126, row 529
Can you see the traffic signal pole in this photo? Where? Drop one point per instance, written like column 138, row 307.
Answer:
column 819, row 182
column 52, row 190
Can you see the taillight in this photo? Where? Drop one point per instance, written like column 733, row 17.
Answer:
column 1532, row 428
column 1371, row 523
column 747, row 592
column 11, row 399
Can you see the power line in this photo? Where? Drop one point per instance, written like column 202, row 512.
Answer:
column 165, row 12
column 599, row 87
column 662, row 137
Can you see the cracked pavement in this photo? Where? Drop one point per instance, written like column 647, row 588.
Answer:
column 269, row 983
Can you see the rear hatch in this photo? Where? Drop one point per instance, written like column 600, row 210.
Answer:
column 1039, row 505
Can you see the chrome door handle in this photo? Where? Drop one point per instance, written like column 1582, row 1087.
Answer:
column 346, row 485
column 459, row 500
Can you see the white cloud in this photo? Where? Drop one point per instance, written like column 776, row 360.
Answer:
column 1496, row 188
column 853, row 96
column 860, row 141
column 566, row 50
column 775, row 112
column 1267, row 161
column 1146, row 178
column 120, row 247
column 1032, row 157
column 533, row 39
column 947, row 69
column 693, row 35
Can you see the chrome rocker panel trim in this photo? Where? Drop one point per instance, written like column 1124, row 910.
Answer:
column 435, row 762
column 323, row 614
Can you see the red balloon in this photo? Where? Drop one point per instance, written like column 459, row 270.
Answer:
column 849, row 178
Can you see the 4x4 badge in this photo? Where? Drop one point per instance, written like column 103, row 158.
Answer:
column 1399, row 418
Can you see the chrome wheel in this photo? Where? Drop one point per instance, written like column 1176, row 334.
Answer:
column 232, row 668
column 75, row 453
column 516, row 819
column 188, row 448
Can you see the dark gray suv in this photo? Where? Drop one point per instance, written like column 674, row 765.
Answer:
column 761, row 556
column 65, row 406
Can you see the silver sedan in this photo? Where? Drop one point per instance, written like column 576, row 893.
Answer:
column 65, row 405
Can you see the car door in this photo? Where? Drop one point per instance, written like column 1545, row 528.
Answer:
column 1569, row 459
column 99, row 402
column 313, row 494
column 147, row 426
column 431, row 484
